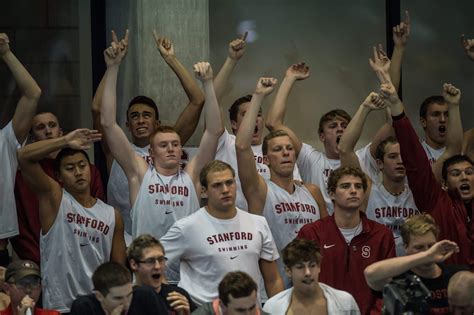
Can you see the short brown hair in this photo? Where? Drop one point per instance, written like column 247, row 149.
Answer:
column 299, row 251
column 418, row 224
column 339, row 173
column 380, row 150
column 335, row 113
column 236, row 284
column 142, row 242
column 270, row 136
column 162, row 129
column 212, row 167
column 109, row 275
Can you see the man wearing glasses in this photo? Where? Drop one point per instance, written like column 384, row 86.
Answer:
column 23, row 286
column 147, row 259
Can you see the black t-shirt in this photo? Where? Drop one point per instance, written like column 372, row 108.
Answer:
column 145, row 301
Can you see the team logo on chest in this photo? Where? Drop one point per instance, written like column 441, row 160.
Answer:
column 366, row 251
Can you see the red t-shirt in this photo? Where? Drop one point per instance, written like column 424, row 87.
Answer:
column 38, row 311
column 26, row 244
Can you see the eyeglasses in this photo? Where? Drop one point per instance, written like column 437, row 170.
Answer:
column 32, row 283
column 152, row 260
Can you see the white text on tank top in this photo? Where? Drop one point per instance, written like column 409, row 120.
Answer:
column 432, row 154
column 287, row 213
column 161, row 201
column 391, row 211
column 118, row 194
column 78, row 242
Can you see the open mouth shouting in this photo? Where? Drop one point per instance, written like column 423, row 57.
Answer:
column 465, row 188
column 442, row 130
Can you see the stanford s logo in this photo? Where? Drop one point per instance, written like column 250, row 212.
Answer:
column 366, row 251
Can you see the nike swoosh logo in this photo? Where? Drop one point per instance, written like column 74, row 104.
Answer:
column 234, row 257
column 328, row 246
column 168, row 212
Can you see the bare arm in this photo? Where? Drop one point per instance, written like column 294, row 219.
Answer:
column 468, row 144
column 380, row 273
column 214, row 126
column 132, row 164
column 271, row 277
column 401, row 33
column 454, row 138
column 30, row 91
column 318, row 197
column 253, row 185
column 48, row 191
column 117, row 253
column 468, row 45
column 276, row 114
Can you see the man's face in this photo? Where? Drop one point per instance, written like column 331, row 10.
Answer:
column 460, row 177
column 141, row 121
column 281, row 156
column 221, row 189
column 421, row 243
column 245, row 305
column 332, row 133
column 45, row 126
column 304, row 276
column 117, row 296
column 392, row 165
column 435, row 123
column 258, row 131
column 29, row 285
column 150, row 269
column 349, row 193
column 166, row 150
column 75, row 172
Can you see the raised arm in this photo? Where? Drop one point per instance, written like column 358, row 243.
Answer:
column 354, row 129
column 276, row 114
column 133, row 165
column 454, row 138
column 236, row 51
column 212, row 119
column 253, row 185
column 380, row 273
column 401, row 33
column 48, row 191
column 30, row 91
column 189, row 117
column 468, row 45
column 468, row 144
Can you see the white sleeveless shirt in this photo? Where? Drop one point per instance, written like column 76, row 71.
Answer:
column 432, row 154
column 391, row 211
column 118, row 194
column 161, row 201
column 78, row 242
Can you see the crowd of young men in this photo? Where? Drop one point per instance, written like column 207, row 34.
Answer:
column 323, row 240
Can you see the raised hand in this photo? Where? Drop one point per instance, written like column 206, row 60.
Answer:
column 117, row 50
column 451, row 94
column 237, row 47
column 442, row 250
column 401, row 32
column 381, row 62
column 468, row 45
column 374, row 101
column 4, row 43
column 298, row 71
column 81, row 139
column 179, row 303
column 265, row 86
column 203, row 71
column 387, row 90
column 165, row 46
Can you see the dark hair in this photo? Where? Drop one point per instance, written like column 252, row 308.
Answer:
column 455, row 159
column 142, row 242
column 141, row 99
column 109, row 275
column 299, row 251
column 337, row 174
column 236, row 284
column 434, row 99
column 270, row 136
column 380, row 150
column 234, row 108
column 211, row 167
column 332, row 115
column 65, row 153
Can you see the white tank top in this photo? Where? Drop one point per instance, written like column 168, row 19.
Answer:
column 161, row 201
column 78, row 242
column 432, row 154
column 118, row 194
column 391, row 211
